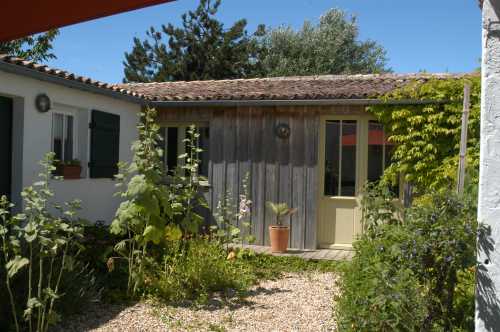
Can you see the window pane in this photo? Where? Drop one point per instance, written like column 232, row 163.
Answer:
column 348, row 171
column 332, row 158
column 68, row 141
column 204, row 155
column 171, row 153
column 57, row 135
column 375, row 151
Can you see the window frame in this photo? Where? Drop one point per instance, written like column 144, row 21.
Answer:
column 322, row 150
column 398, row 187
column 182, row 128
column 65, row 114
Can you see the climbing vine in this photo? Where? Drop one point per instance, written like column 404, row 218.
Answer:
column 428, row 135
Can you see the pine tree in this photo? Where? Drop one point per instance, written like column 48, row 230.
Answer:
column 199, row 50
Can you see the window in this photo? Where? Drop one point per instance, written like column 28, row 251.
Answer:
column 175, row 146
column 63, row 136
column 340, row 158
column 379, row 151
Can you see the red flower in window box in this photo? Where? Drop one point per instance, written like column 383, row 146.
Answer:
column 69, row 170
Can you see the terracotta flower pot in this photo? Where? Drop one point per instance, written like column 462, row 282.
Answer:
column 279, row 237
column 69, row 172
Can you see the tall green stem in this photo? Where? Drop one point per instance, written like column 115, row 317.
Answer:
column 49, row 285
column 7, row 283
column 39, row 292
column 30, row 279
column 58, row 282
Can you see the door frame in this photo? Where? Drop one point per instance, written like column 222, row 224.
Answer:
column 11, row 149
column 361, row 171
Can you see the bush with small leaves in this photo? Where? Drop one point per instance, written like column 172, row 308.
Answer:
column 414, row 274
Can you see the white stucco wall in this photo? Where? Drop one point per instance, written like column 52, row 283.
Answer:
column 488, row 272
column 32, row 139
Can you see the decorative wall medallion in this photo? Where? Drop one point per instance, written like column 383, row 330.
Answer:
column 42, row 103
column 282, row 130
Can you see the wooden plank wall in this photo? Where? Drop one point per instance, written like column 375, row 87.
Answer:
column 243, row 141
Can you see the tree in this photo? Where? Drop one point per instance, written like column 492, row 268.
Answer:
column 330, row 47
column 36, row 48
column 199, row 50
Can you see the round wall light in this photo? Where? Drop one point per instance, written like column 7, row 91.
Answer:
column 42, row 103
column 282, row 130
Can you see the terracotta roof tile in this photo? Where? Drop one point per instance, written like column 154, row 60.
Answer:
column 282, row 88
column 66, row 75
column 278, row 88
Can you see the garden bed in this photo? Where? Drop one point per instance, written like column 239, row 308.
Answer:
column 295, row 302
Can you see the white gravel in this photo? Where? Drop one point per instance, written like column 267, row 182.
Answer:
column 296, row 302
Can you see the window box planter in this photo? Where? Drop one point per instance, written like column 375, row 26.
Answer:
column 69, row 172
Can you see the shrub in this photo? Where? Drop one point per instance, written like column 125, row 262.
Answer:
column 194, row 269
column 415, row 274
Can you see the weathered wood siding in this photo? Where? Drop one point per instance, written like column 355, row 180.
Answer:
column 243, row 141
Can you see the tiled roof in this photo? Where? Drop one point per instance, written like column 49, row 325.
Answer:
column 280, row 88
column 62, row 74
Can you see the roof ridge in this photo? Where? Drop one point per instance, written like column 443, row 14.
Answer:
column 331, row 77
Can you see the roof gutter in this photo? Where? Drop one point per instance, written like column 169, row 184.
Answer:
column 35, row 74
column 292, row 102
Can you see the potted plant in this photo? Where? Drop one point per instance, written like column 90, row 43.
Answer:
column 279, row 233
column 69, row 170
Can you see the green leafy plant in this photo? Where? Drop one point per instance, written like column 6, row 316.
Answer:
column 43, row 244
column 281, row 211
column 379, row 206
column 187, row 184
column 414, row 274
column 427, row 136
column 146, row 209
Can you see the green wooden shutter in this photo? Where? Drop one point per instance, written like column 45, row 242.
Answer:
column 104, row 144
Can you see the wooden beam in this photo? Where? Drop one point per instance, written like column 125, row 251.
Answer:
column 20, row 19
column 463, row 140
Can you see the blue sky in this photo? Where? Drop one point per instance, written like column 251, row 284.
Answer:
column 431, row 35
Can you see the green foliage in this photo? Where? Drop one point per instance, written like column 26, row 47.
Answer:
column 413, row 275
column 427, row 136
column 36, row 48
column 193, row 269
column 146, row 209
column 201, row 49
column 281, row 211
column 42, row 245
column 379, row 206
column 152, row 213
column 330, row 47
column 273, row 267
column 186, row 185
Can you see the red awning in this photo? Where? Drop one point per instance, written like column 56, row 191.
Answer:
column 23, row 18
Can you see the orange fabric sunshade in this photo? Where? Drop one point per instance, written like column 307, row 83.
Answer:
column 22, row 18
column 375, row 137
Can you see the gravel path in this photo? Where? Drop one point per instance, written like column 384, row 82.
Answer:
column 297, row 302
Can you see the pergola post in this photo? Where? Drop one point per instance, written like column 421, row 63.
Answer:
column 488, row 268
